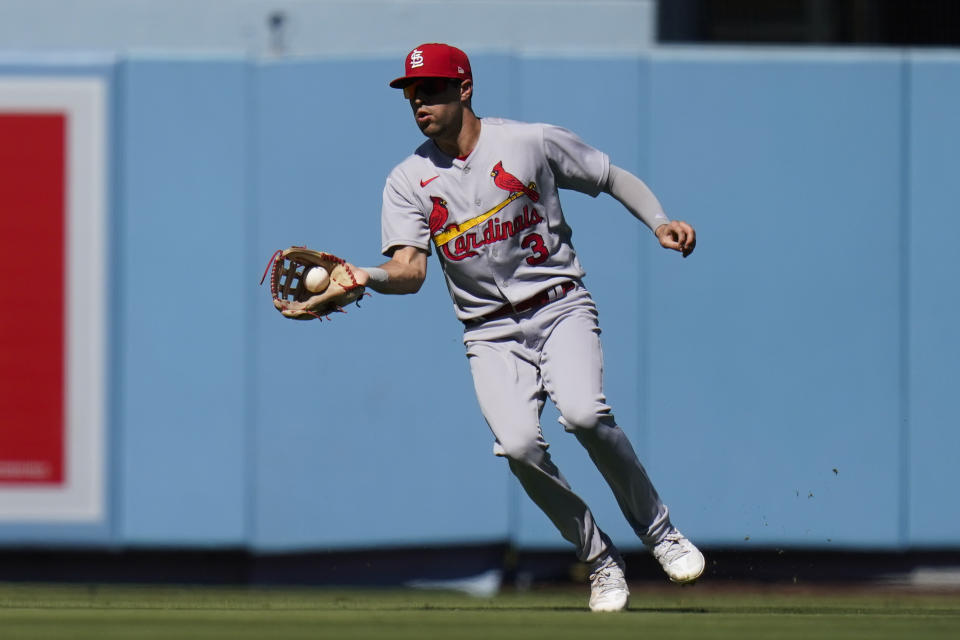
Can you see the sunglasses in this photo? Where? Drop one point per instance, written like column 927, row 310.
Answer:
column 429, row 87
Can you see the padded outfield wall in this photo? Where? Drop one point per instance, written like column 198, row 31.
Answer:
column 789, row 385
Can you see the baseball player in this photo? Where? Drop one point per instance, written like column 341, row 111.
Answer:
column 483, row 193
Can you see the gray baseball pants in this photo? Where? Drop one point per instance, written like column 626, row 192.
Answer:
column 554, row 351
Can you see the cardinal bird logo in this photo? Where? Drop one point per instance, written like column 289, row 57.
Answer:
column 509, row 182
column 438, row 217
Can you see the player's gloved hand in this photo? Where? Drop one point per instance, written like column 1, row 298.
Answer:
column 677, row 235
column 288, row 270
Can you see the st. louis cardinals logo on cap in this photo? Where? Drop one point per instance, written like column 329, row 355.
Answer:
column 416, row 58
column 434, row 60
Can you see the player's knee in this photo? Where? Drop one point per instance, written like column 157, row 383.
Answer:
column 520, row 451
column 584, row 417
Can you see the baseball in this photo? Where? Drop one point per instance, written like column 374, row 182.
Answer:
column 316, row 279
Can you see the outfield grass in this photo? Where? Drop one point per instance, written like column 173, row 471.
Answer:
column 104, row 613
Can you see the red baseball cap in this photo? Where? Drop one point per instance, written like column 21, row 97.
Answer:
column 434, row 60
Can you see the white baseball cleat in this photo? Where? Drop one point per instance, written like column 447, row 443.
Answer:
column 682, row 561
column 608, row 586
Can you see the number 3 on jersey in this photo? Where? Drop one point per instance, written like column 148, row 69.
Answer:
column 535, row 243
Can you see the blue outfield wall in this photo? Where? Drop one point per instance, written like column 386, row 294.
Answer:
column 788, row 385
column 183, row 155
column 932, row 439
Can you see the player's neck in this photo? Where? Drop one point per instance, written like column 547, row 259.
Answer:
column 462, row 144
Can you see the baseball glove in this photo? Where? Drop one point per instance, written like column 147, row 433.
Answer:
column 288, row 269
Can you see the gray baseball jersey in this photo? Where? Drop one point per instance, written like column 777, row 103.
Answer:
column 494, row 216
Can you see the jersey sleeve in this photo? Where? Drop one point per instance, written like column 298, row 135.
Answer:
column 576, row 165
column 402, row 222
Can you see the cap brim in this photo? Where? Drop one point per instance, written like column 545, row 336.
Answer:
column 401, row 82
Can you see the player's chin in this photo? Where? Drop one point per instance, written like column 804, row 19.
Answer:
column 428, row 127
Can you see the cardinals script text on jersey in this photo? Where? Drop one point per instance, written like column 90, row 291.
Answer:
column 460, row 241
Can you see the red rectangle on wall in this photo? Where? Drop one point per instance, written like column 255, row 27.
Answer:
column 32, row 297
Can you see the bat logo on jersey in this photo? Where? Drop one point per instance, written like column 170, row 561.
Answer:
column 508, row 182
column 505, row 181
column 495, row 230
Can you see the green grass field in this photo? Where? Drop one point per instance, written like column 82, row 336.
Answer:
column 703, row 611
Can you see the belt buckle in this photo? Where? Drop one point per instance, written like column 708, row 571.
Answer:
column 552, row 294
column 556, row 292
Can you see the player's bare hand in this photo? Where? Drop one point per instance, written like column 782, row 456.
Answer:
column 362, row 276
column 677, row 235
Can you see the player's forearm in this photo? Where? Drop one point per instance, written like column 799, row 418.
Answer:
column 403, row 273
column 396, row 280
column 636, row 196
